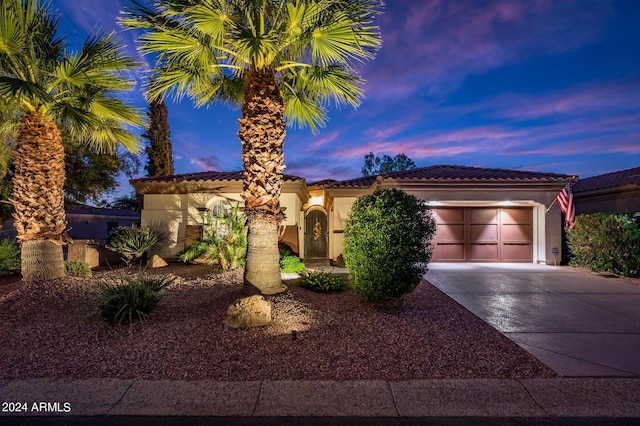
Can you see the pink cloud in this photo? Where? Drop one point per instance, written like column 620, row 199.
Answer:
column 391, row 130
column 319, row 141
column 450, row 40
column 443, row 144
column 607, row 98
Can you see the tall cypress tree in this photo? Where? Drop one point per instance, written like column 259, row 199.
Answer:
column 159, row 150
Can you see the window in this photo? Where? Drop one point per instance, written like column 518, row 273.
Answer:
column 217, row 222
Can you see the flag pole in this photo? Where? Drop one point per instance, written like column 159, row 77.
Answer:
column 569, row 182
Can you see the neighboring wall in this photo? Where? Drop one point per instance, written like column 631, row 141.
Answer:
column 619, row 199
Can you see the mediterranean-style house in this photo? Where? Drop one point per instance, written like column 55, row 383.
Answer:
column 482, row 215
column 617, row 192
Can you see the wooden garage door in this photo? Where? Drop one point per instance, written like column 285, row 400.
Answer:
column 483, row 234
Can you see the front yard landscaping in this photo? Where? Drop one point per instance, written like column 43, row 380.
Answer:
column 51, row 330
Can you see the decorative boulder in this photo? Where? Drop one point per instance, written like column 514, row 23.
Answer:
column 156, row 262
column 251, row 311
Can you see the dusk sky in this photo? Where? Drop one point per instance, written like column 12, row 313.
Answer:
column 540, row 85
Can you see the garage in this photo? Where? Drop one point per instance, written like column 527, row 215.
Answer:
column 483, row 234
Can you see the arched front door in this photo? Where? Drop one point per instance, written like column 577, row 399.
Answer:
column 316, row 236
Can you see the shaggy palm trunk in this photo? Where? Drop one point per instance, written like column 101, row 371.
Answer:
column 38, row 198
column 262, row 131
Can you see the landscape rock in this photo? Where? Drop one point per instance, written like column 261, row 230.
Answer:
column 156, row 262
column 247, row 312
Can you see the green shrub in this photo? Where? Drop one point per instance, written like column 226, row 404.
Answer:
column 224, row 243
column 324, row 282
column 606, row 242
column 132, row 242
column 9, row 256
column 291, row 265
column 125, row 298
column 77, row 268
column 387, row 246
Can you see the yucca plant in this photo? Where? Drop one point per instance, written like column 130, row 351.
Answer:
column 126, row 298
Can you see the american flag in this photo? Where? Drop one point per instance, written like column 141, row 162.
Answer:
column 565, row 201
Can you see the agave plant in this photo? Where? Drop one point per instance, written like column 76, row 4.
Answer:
column 132, row 242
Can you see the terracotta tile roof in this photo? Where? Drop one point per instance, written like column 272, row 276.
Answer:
column 101, row 211
column 608, row 180
column 325, row 182
column 464, row 173
column 457, row 174
column 362, row 182
column 203, row 176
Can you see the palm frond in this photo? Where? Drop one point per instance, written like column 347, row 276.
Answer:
column 301, row 110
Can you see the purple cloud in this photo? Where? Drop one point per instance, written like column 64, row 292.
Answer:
column 431, row 46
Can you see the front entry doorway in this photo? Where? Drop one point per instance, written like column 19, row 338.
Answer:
column 316, row 235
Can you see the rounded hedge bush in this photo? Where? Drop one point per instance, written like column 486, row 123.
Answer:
column 387, row 243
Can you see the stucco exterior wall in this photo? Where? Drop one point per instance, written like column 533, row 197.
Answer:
column 338, row 214
column 547, row 228
column 173, row 212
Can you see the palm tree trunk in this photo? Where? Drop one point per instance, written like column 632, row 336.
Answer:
column 38, row 197
column 41, row 260
column 262, row 132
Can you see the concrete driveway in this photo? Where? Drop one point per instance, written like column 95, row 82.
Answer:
column 577, row 323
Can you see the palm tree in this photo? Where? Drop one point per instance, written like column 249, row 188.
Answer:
column 52, row 90
column 281, row 60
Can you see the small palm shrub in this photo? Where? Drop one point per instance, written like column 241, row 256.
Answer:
column 77, row 268
column 224, row 243
column 387, row 243
column 9, row 256
column 291, row 265
column 324, row 282
column 606, row 242
column 125, row 298
column 132, row 242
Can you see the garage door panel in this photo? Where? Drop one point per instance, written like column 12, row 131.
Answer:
column 450, row 233
column 453, row 215
column 516, row 253
column 483, row 215
column 516, row 233
column 484, row 233
column 450, row 252
column 516, row 216
column 483, row 253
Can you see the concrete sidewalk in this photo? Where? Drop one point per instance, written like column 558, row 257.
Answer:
column 497, row 398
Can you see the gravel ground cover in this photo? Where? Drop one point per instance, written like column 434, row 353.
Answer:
column 50, row 330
